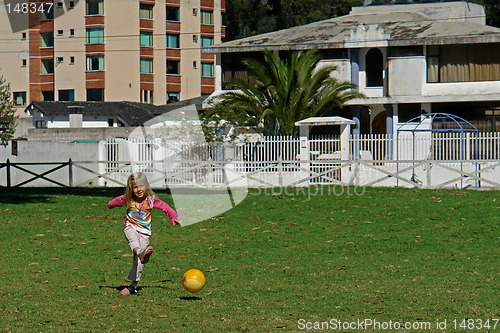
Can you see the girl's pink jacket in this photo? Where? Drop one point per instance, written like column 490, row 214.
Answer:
column 139, row 213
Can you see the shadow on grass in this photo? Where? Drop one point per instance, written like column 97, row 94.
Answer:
column 22, row 195
column 190, row 298
column 139, row 288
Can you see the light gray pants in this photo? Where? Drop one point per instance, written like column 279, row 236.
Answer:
column 136, row 239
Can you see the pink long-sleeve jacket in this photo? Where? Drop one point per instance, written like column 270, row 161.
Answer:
column 139, row 213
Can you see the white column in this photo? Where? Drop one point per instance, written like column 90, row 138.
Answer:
column 304, row 153
column 345, row 131
column 218, row 72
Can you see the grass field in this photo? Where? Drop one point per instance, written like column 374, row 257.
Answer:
column 281, row 261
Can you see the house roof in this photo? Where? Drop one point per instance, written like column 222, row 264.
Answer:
column 131, row 113
column 375, row 26
column 321, row 121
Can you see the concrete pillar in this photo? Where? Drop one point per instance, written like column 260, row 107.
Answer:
column 426, row 108
column 356, row 130
column 355, row 66
column 389, row 120
column 218, row 72
column 390, row 128
column 345, row 132
column 356, row 110
column 304, row 155
column 356, row 116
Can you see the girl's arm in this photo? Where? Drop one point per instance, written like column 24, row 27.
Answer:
column 171, row 214
column 117, row 202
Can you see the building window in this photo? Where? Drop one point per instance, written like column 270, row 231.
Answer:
column 95, row 63
column 207, row 41
column 40, row 124
column 145, row 11
column 146, row 38
column 207, row 69
column 47, row 13
column 207, row 17
column 47, row 39
column 72, row 32
column 59, row 4
column 23, row 36
column 95, row 95
column 172, row 97
column 71, row 60
column 24, row 63
column 223, row 18
column 147, row 96
column 173, row 67
column 71, row 4
column 195, row 65
column 172, row 13
column 67, row 95
column 95, row 36
column 94, row 7
column 146, row 66
column 48, row 95
column 195, row 38
column 195, row 11
column 59, row 60
column 463, row 63
column 408, row 111
column 60, row 32
column 374, row 68
column 172, row 41
column 19, row 98
column 47, row 66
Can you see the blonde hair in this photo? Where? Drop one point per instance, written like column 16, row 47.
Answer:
column 129, row 192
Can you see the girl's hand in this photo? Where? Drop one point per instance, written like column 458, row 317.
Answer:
column 176, row 222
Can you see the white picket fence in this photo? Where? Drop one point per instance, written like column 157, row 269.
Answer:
column 275, row 161
column 425, row 161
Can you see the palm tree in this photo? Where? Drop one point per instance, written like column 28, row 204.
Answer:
column 278, row 93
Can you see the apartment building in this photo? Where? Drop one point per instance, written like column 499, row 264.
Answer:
column 109, row 50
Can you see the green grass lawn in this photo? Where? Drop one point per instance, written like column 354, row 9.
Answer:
column 280, row 261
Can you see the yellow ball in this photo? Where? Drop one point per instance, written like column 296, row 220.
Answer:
column 193, row 280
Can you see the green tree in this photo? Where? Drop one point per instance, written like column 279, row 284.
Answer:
column 280, row 92
column 252, row 17
column 7, row 111
column 492, row 8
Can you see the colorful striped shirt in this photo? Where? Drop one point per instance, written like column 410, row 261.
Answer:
column 139, row 213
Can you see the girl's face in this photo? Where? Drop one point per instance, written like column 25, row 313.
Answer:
column 139, row 189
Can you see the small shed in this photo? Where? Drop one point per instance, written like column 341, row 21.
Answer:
column 345, row 131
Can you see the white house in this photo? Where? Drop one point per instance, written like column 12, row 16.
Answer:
column 91, row 114
column 408, row 59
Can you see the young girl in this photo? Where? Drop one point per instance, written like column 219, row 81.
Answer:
column 140, row 200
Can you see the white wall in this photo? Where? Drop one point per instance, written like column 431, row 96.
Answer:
column 343, row 72
column 473, row 90
column 57, row 123
column 56, row 152
column 406, row 75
